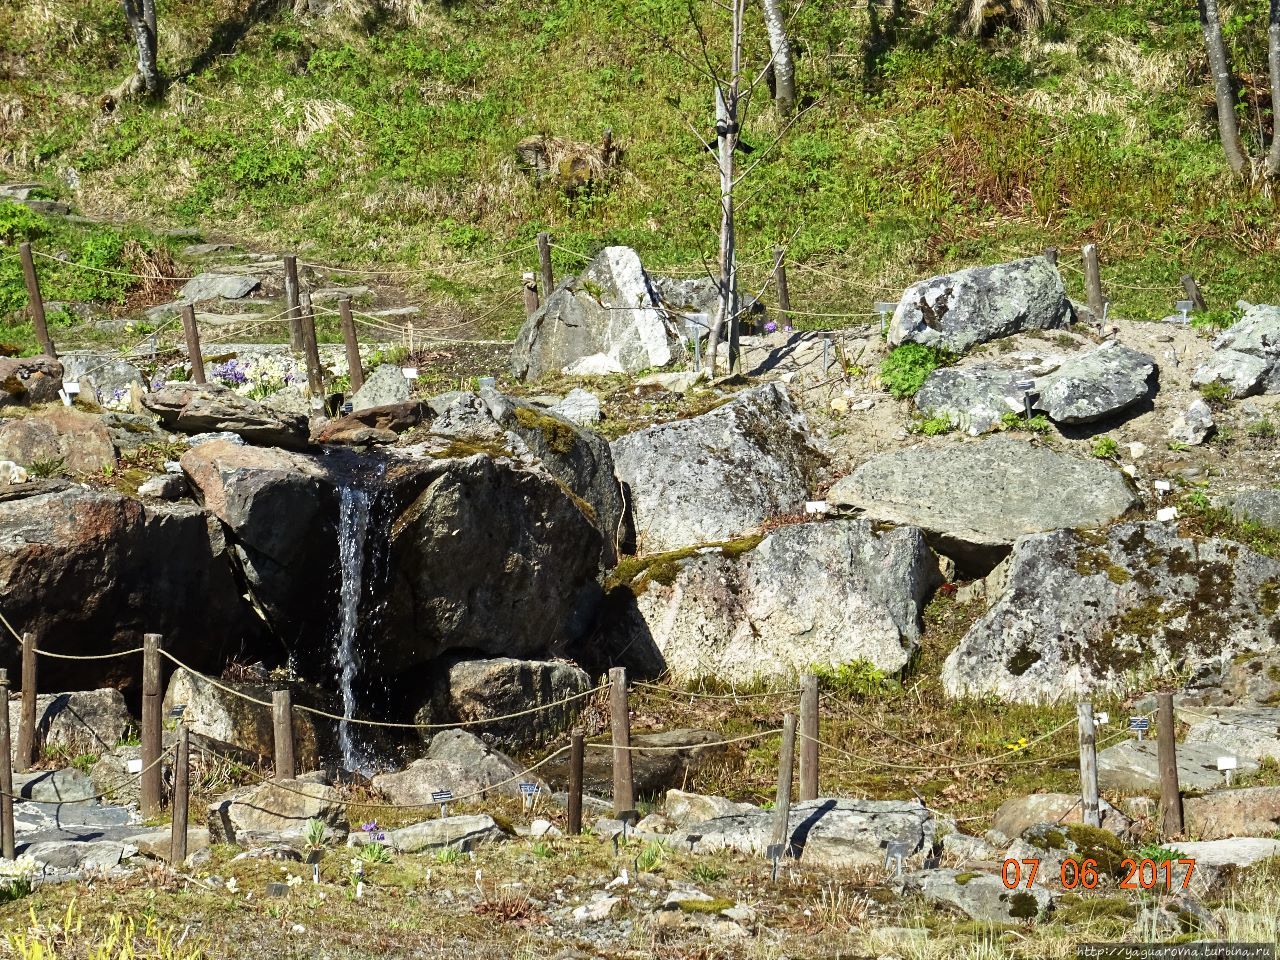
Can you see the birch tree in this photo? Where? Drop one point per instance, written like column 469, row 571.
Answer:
column 141, row 17
column 784, row 70
column 1215, row 49
column 1272, row 168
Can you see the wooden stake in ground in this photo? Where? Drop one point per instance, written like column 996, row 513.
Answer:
column 315, row 373
column 354, row 364
column 544, row 261
column 780, row 281
column 7, row 840
column 782, row 806
column 809, row 737
column 152, row 725
column 1193, row 292
column 530, row 294
column 293, row 302
column 192, row 333
column 38, row 323
column 1051, row 254
column 577, row 755
column 1093, row 281
column 181, row 798
column 1088, row 767
column 624, row 796
column 1167, row 756
column 26, row 757
column 286, row 767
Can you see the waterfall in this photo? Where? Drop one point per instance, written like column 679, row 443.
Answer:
column 353, row 524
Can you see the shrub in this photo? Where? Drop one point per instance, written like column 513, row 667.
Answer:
column 906, row 368
column 856, row 679
column 933, row 426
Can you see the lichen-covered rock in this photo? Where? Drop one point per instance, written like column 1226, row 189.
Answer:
column 609, row 309
column 77, row 723
column 1097, row 384
column 1244, row 812
column 278, row 807
column 1083, row 610
column 214, row 286
column 385, row 386
column 974, row 398
column 973, row 500
column 457, row 833
column 1256, row 333
column 1260, row 506
column 1194, row 425
column 685, row 809
column 1242, row 373
column 981, row 896
column 29, row 380
column 456, row 761
column 70, row 438
column 104, row 375
column 468, row 691
column 1133, row 767
column 831, row 592
column 1017, row 814
column 718, row 475
column 960, row 310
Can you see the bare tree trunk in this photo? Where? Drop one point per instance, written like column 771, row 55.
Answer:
column 1273, row 61
column 784, row 71
column 726, row 143
column 141, row 16
column 1216, row 50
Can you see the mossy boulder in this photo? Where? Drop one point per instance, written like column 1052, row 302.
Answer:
column 981, row 896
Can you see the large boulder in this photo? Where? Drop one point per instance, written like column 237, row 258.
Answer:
column 610, row 310
column 75, row 440
column 823, row 832
column 29, row 380
column 77, row 723
column 973, row 500
column 213, row 408
column 213, row 712
column 981, row 896
column 472, row 691
column 1083, row 610
column 828, row 593
column 975, row 397
column 686, row 809
column 274, row 808
column 90, row 571
column 1133, row 767
column 1241, row 373
column 1252, row 732
column 1101, row 383
column 107, row 376
column 1246, row 812
column 719, row 475
column 1260, row 506
column 959, row 310
column 214, row 286
column 385, row 386
column 1257, row 334
column 456, row 761
column 1019, row 813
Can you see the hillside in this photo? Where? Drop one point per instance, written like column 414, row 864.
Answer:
column 386, row 135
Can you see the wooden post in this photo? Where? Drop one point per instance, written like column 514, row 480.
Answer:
column 780, row 281
column 181, row 798
column 1193, row 292
column 152, row 724
column 1051, row 254
column 809, row 737
column 1093, row 280
column 624, row 796
column 354, row 365
column 6, row 772
column 38, row 323
column 193, row 343
column 1167, row 753
column 530, row 294
column 544, row 260
column 577, row 752
column 315, row 373
column 26, row 757
column 292, row 301
column 1088, row 767
column 282, row 715
column 786, row 764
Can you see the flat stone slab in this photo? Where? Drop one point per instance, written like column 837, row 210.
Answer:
column 1252, row 732
column 1235, row 852
column 981, row 896
column 212, row 286
column 1132, row 767
column 974, row 499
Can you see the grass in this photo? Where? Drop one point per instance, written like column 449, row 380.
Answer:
column 390, row 139
column 904, row 371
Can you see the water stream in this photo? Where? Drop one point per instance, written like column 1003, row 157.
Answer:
column 353, row 526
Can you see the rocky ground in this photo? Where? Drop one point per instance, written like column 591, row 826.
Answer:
column 874, row 505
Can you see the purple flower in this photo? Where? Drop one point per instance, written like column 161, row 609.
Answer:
column 230, row 372
column 370, row 827
column 770, row 327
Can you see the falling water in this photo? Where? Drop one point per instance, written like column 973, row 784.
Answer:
column 353, row 524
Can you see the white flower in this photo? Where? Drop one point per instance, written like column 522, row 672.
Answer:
column 231, row 885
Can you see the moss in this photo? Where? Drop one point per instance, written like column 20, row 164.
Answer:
column 1048, row 840
column 1023, row 659
column 704, row 906
column 963, row 878
column 638, row 572
column 461, row 449
column 1269, row 597
column 1096, row 844
column 557, row 436
column 1023, row 906
column 1091, row 909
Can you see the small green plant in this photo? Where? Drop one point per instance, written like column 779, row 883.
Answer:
column 448, row 855
column 315, row 834
column 1213, row 320
column 1159, row 854
column 1016, row 421
column 84, row 762
column 1106, row 448
column 856, row 679
column 904, row 371
column 1263, row 429
column 649, row 857
column 375, row 853
column 1178, row 446
column 706, row 873
column 932, row 426
column 1215, row 394
column 1196, row 500
column 543, row 850
column 50, row 467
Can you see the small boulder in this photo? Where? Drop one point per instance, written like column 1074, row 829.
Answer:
column 455, row 761
column 213, row 286
column 659, row 761
column 104, row 375
column 166, row 486
column 81, row 722
column 371, row 424
column 1256, row 333
column 579, row 406
column 280, row 808
column 685, row 809
column 29, row 380
column 1260, row 506
column 981, row 896
column 385, row 386
column 1101, row 383
column 458, row 833
column 1016, row 815
column 960, row 310
column 1194, row 426
column 1242, row 373
column 196, row 409
column 1244, row 812
column 11, row 473
column 79, row 440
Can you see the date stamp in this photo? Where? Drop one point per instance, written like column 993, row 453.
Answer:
column 1084, row 874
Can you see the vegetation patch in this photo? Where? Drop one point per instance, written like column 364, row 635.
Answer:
column 904, row 371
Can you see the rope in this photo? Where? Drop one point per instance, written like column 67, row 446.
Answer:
column 392, row 806
column 1231, row 723
column 688, row 746
column 106, row 793
column 384, row 724
column 89, row 656
column 112, row 273
column 715, row 696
